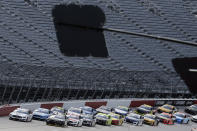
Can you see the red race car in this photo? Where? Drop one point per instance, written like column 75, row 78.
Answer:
column 166, row 118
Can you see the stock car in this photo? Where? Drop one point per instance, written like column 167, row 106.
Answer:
column 57, row 120
column 117, row 119
column 151, row 120
column 89, row 120
column 75, row 111
column 181, row 118
column 56, row 110
column 166, row 118
column 88, row 110
column 167, row 109
column 104, row 109
column 75, row 120
column 194, row 118
column 21, row 114
column 41, row 114
column 135, row 119
column 191, row 109
column 121, row 110
column 103, row 119
column 144, row 109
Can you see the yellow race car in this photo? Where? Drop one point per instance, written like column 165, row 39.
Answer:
column 167, row 109
column 116, row 119
column 144, row 109
column 103, row 119
column 151, row 120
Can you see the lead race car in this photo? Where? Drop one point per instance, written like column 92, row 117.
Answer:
column 75, row 111
column 181, row 118
column 41, row 114
column 104, row 109
column 21, row 114
column 167, row 109
column 88, row 110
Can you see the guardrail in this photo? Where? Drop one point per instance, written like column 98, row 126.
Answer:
column 6, row 109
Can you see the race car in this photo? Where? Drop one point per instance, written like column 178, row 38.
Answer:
column 167, row 109
column 57, row 110
column 41, row 114
column 88, row 110
column 166, row 118
column 74, row 111
column 191, row 109
column 194, row 118
column 21, row 114
column 57, row 120
column 181, row 118
column 121, row 110
column 75, row 120
column 116, row 119
column 134, row 119
column 89, row 120
column 144, row 109
column 103, row 119
column 104, row 109
column 151, row 120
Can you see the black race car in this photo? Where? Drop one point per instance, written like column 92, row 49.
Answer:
column 191, row 109
column 58, row 120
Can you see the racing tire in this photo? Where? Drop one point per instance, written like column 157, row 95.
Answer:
column 93, row 124
column 10, row 118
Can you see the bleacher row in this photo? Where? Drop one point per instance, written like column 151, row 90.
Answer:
column 29, row 47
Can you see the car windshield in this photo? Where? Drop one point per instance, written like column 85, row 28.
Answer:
column 22, row 111
column 75, row 110
column 60, row 117
column 87, row 117
column 74, row 117
column 58, row 110
column 166, row 116
column 87, row 109
column 115, row 116
column 105, row 108
column 150, row 117
column 146, row 107
column 102, row 116
column 167, row 107
column 180, row 115
column 194, row 106
column 122, row 108
column 135, row 116
column 43, row 111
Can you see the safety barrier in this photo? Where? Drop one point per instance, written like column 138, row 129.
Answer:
column 6, row 109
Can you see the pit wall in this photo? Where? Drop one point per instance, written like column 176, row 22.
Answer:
column 131, row 103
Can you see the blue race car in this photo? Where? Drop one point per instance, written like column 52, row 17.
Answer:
column 41, row 114
column 181, row 118
column 88, row 110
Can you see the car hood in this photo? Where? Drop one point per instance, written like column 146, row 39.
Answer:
column 120, row 111
column 103, row 111
column 164, row 118
column 99, row 118
column 195, row 117
column 73, row 120
column 132, row 118
column 19, row 114
column 143, row 109
column 56, row 119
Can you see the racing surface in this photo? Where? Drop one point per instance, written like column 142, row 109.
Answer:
column 8, row 125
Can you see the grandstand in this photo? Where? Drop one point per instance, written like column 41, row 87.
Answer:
column 142, row 38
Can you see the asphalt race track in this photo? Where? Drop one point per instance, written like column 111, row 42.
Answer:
column 8, row 125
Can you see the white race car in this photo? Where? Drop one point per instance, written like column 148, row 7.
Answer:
column 75, row 120
column 21, row 115
column 74, row 111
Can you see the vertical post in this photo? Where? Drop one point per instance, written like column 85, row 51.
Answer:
column 17, row 99
column 11, row 94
